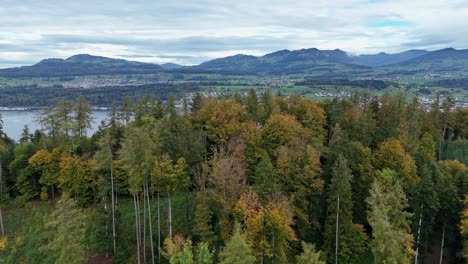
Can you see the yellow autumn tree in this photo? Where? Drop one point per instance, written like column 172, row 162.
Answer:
column 392, row 155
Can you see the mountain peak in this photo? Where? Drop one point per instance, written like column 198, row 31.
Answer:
column 82, row 56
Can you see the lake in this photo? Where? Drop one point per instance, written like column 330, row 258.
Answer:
column 14, row 122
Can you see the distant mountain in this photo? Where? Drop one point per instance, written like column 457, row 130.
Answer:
column 170, row 66
column 383, row 58
column 82, row 64
column 284, row 62
column 338, row 64
column 325, row 64
column 448, row 58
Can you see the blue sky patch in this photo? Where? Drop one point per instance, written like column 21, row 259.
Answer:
column 390, row 23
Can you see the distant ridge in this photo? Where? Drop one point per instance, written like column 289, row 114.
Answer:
column 337, row 63
column 324, row 63
column 81, row 64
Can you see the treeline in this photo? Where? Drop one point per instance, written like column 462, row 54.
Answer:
column 451, row 83
column 64, row 68
column 26, row 96
column 365, row 84
column 252, row 179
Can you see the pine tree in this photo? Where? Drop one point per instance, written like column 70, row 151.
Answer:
column 67, row 227
column 342, row 239
column 104, row 156
column 83, row 116
column 236, row 250
column 203, row 217
column 204, row 254
column 309, row 255
column 252, row 106
column 392, row 241
column 464, row 227
column 264, row 181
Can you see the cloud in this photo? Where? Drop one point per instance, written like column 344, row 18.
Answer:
column 192, row 31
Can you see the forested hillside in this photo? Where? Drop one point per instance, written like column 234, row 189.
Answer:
column 241, row 179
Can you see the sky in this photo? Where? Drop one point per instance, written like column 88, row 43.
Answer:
column 190, row 32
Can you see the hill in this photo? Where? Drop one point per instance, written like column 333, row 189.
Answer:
column 82, row 64
column 323, row 64
column 383, row 58
column 327, row 62
column 338, row 64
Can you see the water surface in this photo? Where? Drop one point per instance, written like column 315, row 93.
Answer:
column 14, row 122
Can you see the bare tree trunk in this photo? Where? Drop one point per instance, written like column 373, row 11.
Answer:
column 442, row 139
column 419, row 236
column 137, row 228
column 1, row 222
column 1, row 195
column 186, row 214
column 442, row 246
column 150, row 223
column 144, row 226
column 159, row 231
column 113, row 210
column 336, row 228
column 169, row 215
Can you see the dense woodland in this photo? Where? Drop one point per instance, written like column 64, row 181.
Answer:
column 255, row 179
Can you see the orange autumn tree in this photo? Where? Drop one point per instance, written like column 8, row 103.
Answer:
column 267, row 228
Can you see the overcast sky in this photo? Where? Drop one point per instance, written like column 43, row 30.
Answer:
column 190, row 32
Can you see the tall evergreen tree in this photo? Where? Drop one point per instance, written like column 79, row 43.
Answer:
column 67, row 227
column 236, row 250
column 343, row 241
column 83, row 117
column 309, row 255
column 392, row 241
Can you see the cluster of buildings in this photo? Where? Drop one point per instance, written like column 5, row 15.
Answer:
column 94, row 83
column 334, row 95
column 427, row 102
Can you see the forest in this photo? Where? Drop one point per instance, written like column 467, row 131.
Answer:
column 239, row 179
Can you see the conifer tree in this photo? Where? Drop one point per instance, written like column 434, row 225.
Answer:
column 392, row 241
column 343, row 241
column 309, row 255
column 204, row 254
column 67, row 227
column 236, row 250
column 203, row 217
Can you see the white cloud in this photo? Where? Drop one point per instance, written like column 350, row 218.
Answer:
column 189, row 32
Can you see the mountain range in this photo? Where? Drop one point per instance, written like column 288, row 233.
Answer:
column 325, row 63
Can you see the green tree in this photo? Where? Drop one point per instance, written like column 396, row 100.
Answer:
column 105, row 160
column 186, row 255
column 197, row 103
column 464, row 227
column 203, row 217
column 83, row 116
column 27, row 180
column 252, row 106
column 264, row 181
column 67, row 230
column 309, row 255
column 392, row 241
column 236, row 250
column 343, row 240
column 266, row 103
column 25, row 135
column 204, row 254
column 136, row 155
